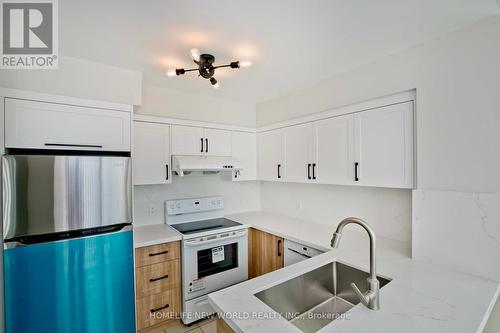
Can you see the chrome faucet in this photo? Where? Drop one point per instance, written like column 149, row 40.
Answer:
column 370, row 298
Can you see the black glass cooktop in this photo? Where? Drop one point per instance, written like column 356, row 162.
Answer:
column 205, row 225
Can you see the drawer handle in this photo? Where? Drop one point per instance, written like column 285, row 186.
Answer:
column 162, row 308
column 158, row 253
column 160, row 278
column 72, row 145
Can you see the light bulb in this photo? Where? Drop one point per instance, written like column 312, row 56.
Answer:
column 214, row 83
column 195, row 54
column 245, row 63
column 171, row 73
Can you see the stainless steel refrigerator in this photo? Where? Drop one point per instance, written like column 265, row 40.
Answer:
column 68, row 247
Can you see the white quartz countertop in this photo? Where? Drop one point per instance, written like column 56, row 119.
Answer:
column 155, row 234
column 420, row 298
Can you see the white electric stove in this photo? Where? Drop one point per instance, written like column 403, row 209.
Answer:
column 214, row 251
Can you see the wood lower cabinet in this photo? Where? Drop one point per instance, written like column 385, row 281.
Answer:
column 265, row 253
column 152, row 279
column 158, row 284
column 223, row 327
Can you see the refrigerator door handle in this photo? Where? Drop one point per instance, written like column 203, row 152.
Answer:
column 15, row 243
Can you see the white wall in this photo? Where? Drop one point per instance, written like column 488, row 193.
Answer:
column 387, row 210
column 460, row 230
column 457, row 78
column 238, row 196
column 79, row 78
column 176, row 104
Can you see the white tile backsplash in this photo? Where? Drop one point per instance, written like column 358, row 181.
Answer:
column 387, row 210
column 238, row 196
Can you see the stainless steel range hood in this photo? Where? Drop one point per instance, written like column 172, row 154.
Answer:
column 184, row 165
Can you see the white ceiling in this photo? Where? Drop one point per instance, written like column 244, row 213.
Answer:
column 292, row 43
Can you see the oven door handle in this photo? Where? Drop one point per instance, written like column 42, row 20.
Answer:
column 215, row 240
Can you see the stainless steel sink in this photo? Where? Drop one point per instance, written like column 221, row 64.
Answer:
column 316, row 298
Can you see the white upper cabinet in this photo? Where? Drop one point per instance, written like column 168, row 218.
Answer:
column 187, row 140
column 190, row 140
column 271, row 155
column 384, row 146
column 299, row 153
column 334, row 150
column 151, row 153
column 369, row 148
column 244, row 148
column 41, row 125
column 217, row 142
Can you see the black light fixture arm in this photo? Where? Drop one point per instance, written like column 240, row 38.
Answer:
column 206, row 67
column 234, row 64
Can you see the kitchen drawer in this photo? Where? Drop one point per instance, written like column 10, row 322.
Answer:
column 154, row 309
column 156, row 253
column 153, row 279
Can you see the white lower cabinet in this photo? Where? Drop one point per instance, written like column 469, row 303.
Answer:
column 244, row 148
column 151, row 153
column 384, row 146
column 271, row 155
column 41, row 125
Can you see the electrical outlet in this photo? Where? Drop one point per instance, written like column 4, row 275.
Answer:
column 152, row 210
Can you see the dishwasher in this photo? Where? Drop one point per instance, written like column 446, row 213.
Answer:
column 295, row 252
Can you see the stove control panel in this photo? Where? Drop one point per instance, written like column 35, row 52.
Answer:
column 195, row 205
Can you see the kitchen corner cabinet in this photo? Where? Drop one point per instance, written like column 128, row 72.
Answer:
column 42, row 125
column 244, row 148
column 151, row 153
column 265, row 253
column 271, row 155
column 158, row 281
column 198, row 141
column 384, row 146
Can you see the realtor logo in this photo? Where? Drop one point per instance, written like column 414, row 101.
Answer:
column 29, row 34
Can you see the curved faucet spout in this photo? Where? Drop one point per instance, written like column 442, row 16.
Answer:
column 371, row 297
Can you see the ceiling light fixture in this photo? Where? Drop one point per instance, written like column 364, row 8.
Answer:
column 206, row 67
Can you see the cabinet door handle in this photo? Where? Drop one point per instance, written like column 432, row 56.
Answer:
column 206, row 143
column 158, row 309
column 309, row 171
column 159, row 278
column 166, row 174
column 158, row 253
column 202, row 145
column 279, row 247
column 279, row 166
column 71, row 145
column 314, row 170
column 356, row 164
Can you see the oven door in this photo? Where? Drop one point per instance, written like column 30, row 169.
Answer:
column 213, row 262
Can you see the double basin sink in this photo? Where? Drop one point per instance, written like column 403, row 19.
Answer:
column 318, row 297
